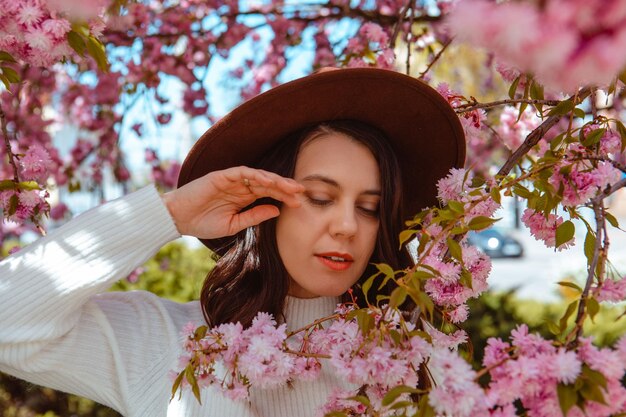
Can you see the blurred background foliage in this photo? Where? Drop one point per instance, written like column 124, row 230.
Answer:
column 177, row 272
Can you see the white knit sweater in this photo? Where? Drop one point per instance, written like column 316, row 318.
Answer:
column 58, row 328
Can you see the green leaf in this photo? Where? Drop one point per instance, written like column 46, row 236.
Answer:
column 455, row 249
column 395, row 392
column 593, row 137
column 336, row 414
column 567, row 397
column 590, row 245
column 570, row 310
column 95, row 48
column 386, row 270
column 554, row 143
column 622, row 76
column 456, row 207
column 553, row 327
column 13, row 203
column 481, row 222
column 466, row 278
column 570, row 285
column 28, row 186
column 200, row 332
column 592, row 392
column 536, row 92
column 424, row 409
column 398, row 296
column 622, row 132
column 426, row 304
column 361, row 399
column 513, row 87
column 365, row 321
column 10, row 74
column 405, row 236
column 6, row 57
column 522, row 191
column 7, row 185
column 611, row 219
column 367, row 285
column 176, row 386
column 421, row 274
column 5, row 81
column 495, row 195
column 593, row 307
column 580, row 113
column 595, row 377
column 562, row 108
column 565, row 232
column 191, row 378
column 76, row 42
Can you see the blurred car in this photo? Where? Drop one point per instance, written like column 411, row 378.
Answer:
column 496, row 243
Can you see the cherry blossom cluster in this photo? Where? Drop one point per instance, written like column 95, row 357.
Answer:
column 564, row 43
column 147, row 44
column 543, row 227
column 611, row 290
column 535, row 372
column 481, row 148
column 35, row 31
column 515, row 127
column 381, row 362
column 374, row 359
column 581, row 179
column 254, row 356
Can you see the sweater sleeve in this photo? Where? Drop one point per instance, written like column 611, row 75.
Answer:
column 54, row 328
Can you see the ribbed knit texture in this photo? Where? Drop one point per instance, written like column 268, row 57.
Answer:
column 59, row 329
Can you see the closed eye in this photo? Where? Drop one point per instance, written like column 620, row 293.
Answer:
column 318, row 202
column 369, row 212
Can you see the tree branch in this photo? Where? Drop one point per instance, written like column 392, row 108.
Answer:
column 536, row 135
column 598, row 211
column 435, row 59
column 396, row 28
column 471, row 106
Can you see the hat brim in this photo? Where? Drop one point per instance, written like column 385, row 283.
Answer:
column 423, row 129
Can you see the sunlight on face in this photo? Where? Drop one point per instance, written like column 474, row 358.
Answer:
column 327, row 243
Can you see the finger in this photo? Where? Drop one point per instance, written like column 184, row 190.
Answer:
column 291, row 199
column 254, row 216
column 254, row 176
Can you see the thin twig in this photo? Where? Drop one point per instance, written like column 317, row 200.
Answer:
column 620, row 184
column 7, row 144
column 396, row 28
column 471, row 106
column 536, row 135
column 315, row 323
column 598, row 211
column 435, row 59
column 594, row 106
column 409, row 37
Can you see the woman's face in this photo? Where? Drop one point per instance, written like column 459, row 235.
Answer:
column 326, row 243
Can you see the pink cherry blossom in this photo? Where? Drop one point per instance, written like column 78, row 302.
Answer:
column 544, row 228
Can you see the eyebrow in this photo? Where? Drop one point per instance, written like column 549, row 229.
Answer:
column 335, row 184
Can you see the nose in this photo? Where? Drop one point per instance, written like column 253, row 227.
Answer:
column 343, row 222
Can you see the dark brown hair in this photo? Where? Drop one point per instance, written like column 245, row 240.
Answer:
column 250, row 277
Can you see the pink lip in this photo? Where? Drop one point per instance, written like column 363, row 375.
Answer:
column 335, row 265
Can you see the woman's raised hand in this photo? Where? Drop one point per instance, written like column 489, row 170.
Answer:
column 209, row 207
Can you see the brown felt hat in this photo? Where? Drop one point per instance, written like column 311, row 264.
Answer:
column 423, row 129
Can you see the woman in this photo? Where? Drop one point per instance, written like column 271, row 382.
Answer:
column 290, row 246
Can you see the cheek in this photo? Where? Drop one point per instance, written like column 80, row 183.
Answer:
column 290, row 234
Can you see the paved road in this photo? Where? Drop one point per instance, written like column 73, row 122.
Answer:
column 536, row 273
